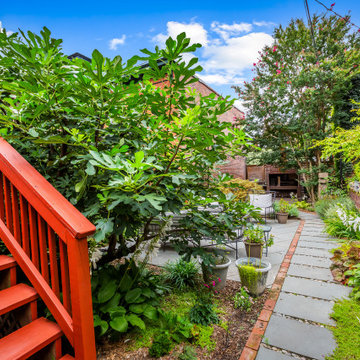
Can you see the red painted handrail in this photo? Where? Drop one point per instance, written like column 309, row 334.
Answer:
column 47, row 236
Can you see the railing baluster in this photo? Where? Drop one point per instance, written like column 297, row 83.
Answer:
column 24, row 215
column 2, row 208
column 54, row 270
column 43, row 249
column 43, row 232
column 8, row 212
column 15, row 212
column 65, row 281
column 33, row 237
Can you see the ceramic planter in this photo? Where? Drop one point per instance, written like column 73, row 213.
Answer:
column 217, row 272
column 253, row 249
column 253, row 276
column 282, row 217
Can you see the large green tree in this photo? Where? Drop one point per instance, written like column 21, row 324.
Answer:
column 298, row 81
column 124, row 150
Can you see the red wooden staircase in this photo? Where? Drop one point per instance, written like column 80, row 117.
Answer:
column 47, row 239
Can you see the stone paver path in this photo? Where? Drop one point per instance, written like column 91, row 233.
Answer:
column 297, row 328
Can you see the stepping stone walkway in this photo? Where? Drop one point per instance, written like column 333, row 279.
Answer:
column 297, row 328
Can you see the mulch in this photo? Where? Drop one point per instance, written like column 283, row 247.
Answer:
column 229, row 344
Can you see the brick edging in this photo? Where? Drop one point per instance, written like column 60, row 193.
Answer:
column 253, row 343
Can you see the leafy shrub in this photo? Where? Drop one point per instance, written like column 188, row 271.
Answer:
column 304, row 205
column 242, row 300
column 241, row 188
column 161, row 345
column 322, row 205
column 203, row 312
column 181, row 273
column 179, row 327
column 283, row 206
column 354, row 280
column 123, row 297
column 345, row 258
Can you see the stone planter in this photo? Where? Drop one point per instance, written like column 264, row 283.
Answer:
column 253, row 249
column 282, row 217
column 217, row 272
column 253, row 276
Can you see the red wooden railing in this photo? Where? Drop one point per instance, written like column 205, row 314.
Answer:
column 47, row 237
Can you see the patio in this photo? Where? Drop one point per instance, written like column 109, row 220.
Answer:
column 283, row 234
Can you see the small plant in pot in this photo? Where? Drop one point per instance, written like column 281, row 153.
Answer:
column 282, row 209
column 253, row 271
column 254, row 241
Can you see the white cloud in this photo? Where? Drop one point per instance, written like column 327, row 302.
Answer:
column 113, row 43
column 236, row 54
column 2, row 29
column 227, row 30
column 220, row 79
column 195, row 31
column 228, row 52
column 264, row 23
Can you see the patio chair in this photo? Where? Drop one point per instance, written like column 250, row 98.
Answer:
column 263, row 201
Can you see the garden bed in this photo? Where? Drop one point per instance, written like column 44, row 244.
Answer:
column 227, row 345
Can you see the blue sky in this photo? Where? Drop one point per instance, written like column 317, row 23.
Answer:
column 231, row 31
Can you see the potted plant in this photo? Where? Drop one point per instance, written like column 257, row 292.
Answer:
column 254, row 241
column 282, row 209
column 253, row 274
column 215, row 269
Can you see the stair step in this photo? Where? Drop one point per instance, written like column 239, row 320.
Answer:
column 29, row 339
column 67, row 357
column 16, row 296
column 6, row 262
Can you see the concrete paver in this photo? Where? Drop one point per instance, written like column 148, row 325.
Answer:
column 300, row 338
column 267, row 354
column 310, row 272
column 311, row 260
column 318, row 289
column 305, row 308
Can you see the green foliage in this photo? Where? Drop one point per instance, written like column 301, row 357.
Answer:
column 295, row 87
column 282, row 206
column 322, row 205
column 304, row 205
column 242, row 300
column 123, row 298
column 345, row 266
column 354, row 279
column 203, row 312
column 122, row 149
column 249, row 277
column 161, row 345
column 254, row 234
column 241, row 188
column 345, row 143
column 346, row 313
column 203, row 337
column 181, row 273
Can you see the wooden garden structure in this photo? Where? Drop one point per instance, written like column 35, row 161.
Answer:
column 47, row 239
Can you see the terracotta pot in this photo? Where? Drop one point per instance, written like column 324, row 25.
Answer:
column 253, row 249
column 282, row 217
